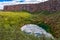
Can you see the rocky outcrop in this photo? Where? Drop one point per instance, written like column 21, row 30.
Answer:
column 51, row 5
column 36, row 31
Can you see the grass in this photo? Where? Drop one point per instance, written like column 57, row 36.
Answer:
column 51, row 19
column 11, row 22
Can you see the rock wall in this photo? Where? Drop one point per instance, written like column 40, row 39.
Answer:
column 51, row 5
column 28, row 7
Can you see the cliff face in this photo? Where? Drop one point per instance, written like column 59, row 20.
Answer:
column 54, row 5
column 20, row 7
column 51, row 5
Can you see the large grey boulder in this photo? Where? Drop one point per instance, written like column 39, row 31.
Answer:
column 36, row 30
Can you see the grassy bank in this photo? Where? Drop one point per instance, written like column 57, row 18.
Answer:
column 11, row 22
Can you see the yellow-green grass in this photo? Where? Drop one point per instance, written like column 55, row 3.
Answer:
column 17, row 14
column 10, row 23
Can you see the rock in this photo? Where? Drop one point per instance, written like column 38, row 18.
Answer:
column 36, row 30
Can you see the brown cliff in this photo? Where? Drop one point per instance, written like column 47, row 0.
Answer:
column 27, row 7
column 52, row 5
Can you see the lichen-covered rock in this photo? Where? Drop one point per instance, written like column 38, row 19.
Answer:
column 36, row 30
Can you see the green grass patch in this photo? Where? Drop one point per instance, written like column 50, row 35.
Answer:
column 10, row 23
